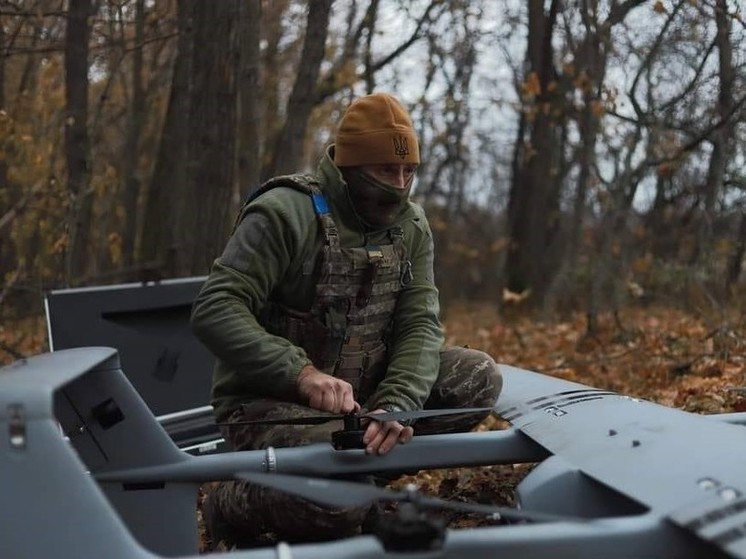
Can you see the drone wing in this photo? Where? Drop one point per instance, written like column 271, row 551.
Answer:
column 681, row 467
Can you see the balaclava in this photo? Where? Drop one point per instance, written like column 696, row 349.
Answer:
column 375, row 130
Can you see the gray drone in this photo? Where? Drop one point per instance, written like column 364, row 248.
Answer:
column 87, row 471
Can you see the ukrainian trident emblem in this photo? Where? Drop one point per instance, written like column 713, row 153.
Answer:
column 400, row 146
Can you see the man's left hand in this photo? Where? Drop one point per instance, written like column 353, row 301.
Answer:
column 382, row 436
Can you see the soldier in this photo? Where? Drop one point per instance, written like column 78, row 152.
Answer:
column 324, row 301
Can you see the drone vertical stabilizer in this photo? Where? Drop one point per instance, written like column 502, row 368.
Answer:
column 111, row 427
column 148, row 324
column 33, row 527
column 88, row 415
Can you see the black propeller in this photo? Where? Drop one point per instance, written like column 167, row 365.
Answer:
column 381, row 417
column 336, row 493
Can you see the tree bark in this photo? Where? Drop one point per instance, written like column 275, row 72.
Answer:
column 130, row 175
column 272, row 62
column 721, row 139
column 533, row 207
column 211, row 135
column 735, row 265
column 249, row 137
column 3, row 163
column 163, row 217
column 288, row 153
column 77, row 143
column 6, row 204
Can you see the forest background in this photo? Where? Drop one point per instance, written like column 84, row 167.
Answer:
column 583, row 161
column 583, row 166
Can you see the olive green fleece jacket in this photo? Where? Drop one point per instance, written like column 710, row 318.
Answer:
column 271, row 254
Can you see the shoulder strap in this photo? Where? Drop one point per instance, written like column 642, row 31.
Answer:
column 303, row 183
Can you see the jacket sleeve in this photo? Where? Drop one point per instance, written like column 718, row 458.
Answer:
column 417, row 334
column 263, row 246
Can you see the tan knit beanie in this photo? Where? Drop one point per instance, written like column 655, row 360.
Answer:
column 376, row 129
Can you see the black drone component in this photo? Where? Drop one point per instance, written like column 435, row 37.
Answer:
column 107, row 413
column 411, row 528
column 373, row 416
column 351, row 435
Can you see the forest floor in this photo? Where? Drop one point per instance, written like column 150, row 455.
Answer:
column 692, row 362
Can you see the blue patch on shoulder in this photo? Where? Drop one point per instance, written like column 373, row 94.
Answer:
column 319, row 203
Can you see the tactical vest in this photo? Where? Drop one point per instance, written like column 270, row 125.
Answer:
column 345, row 331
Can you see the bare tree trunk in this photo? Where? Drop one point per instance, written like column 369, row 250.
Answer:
column 533, row 208
column 721, row 139
column 211, row 137
column 288, row 152
column 27, row 83
column 77, row 144
column 605, row 288
column 163, row 217
column 272, row 35
column 6, row 204
column 249, row 138
column 736, row 259
column 131, row 179
column 331, row 83
column 3, row 163
column 590, row 64
column 445, row 172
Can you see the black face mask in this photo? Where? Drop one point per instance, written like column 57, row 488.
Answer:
column 376, row 203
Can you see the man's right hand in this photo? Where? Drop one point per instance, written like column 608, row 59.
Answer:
column 325, row 392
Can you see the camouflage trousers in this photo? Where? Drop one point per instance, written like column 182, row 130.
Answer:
column 467, row 378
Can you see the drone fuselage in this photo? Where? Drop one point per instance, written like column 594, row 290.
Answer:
column 86, row 458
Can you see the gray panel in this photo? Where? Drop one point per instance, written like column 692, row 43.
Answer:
column 149, row 325
column 654, row 455
column 115, row 429
column 49, row 505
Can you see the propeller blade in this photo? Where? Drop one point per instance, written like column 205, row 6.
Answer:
column 422, row 414
column 336, row 493
column 333, row 493
column 498, row 512
column 380, row 417
column 306, row 420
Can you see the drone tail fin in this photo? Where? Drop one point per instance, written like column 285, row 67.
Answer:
column 112, row 428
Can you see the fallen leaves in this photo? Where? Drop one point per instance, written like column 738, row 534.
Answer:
column 661, row 354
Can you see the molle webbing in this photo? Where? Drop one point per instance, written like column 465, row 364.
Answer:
column 362, row 283
column 344, row 331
